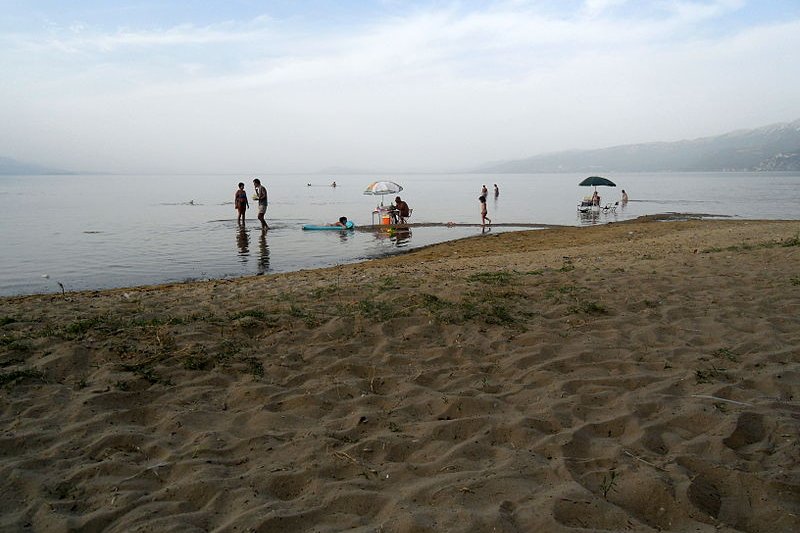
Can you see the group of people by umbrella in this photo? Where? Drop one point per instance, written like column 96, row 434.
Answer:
column 594, row 201
column 399, row 211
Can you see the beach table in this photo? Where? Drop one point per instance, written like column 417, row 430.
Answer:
column 383, row 214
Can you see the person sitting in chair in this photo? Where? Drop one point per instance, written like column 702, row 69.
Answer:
column 401, row 211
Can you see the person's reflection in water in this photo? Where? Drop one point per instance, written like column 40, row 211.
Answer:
column 243, row 242
column 345, row 236
column 401, row 236
column 588, row 218
column 263, row 254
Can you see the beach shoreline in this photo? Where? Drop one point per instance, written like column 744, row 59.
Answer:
column 638, row 375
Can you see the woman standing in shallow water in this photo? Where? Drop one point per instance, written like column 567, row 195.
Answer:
column 240, row 203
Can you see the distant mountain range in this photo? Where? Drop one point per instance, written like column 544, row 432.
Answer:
column 10, row 166
column 771, row 148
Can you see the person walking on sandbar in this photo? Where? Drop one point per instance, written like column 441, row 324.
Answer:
column 261, row 196
column 484, row 211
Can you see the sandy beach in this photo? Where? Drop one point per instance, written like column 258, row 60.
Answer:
column 638, row 376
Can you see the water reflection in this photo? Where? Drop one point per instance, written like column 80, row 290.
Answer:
column 588, row 217
column 400, row 236
column 345, row 236
column 243, row 243
column 597, row 216
column 263, row 253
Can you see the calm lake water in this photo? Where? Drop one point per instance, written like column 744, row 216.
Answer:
column 93, row 232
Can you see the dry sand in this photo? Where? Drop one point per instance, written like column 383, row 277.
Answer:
column 638, row 376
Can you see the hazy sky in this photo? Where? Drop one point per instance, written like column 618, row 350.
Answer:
column 297, row 86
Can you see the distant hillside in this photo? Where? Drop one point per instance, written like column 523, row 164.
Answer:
column 775, row 147
column 781, row 162
column 10, row 166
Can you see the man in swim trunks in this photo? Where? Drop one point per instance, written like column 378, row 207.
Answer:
column 261, row 196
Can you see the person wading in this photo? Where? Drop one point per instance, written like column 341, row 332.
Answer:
column 261, row 196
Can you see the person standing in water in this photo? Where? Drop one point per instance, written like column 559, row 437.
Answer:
column 484, row 211
column 261, row 196
column 496, row 191
column 240, row 203
column 484, row 190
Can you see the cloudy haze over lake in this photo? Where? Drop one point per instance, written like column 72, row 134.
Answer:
column 248, row 86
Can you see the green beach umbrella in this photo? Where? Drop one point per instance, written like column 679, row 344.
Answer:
column 594, row 181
